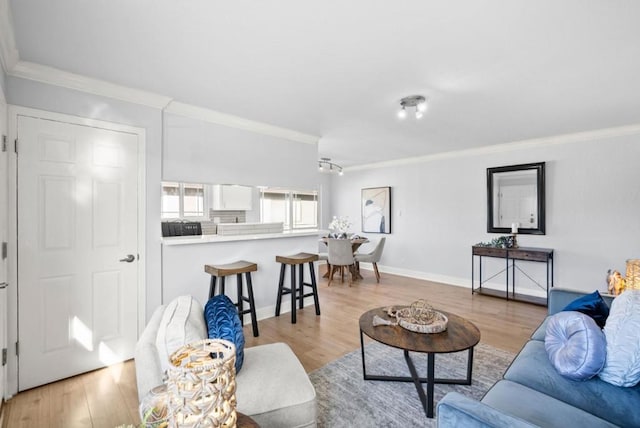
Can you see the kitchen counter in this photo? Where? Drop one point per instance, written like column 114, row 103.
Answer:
column 184, row 258
column 207, row 239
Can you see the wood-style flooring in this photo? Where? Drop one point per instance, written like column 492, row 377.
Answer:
column 108, row 397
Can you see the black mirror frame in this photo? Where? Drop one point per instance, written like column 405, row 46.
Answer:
column 540, row 183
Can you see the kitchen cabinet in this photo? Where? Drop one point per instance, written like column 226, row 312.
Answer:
column 231, row 197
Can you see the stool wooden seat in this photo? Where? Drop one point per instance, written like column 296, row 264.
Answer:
column 236, row 268
column 297, row 285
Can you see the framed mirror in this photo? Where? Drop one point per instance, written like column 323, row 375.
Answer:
column 515, row 199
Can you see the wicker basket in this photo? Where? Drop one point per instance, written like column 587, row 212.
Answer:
column 633, row 274
column 202, row 386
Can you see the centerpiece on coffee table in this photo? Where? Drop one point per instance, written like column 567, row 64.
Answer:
column 419, row 317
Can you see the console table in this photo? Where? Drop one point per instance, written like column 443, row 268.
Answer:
column 510, row 255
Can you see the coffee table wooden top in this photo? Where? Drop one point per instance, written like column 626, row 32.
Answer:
column 460, row 334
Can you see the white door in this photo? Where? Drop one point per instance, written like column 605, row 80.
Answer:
column 4, row 179
column 77, row 217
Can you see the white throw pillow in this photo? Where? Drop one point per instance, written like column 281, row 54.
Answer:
column 182, row 323
column 622, row 332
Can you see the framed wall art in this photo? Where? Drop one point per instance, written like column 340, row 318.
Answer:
column 376, row 210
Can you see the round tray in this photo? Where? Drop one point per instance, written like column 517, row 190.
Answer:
column 438, row 325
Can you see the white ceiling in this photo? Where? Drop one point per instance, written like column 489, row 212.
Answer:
column 494, row 71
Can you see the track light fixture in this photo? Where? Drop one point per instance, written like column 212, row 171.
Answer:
column 325, row 164
column 416, row 101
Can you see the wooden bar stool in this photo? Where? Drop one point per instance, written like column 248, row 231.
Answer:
column 236, row 268
column 296, row 288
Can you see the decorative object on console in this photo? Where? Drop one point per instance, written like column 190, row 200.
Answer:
column 592, row 305
column 339, row 227
column 575, row 345
column 514, row 235
column 500, row 242
column 202, row 386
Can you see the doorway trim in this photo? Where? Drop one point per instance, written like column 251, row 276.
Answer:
column 12, row 260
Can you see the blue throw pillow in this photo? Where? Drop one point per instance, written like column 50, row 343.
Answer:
column 593, row 305
column 223, row 322
column 575, row 345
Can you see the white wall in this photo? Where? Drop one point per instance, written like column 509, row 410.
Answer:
column 439, row 211
column 203, row 152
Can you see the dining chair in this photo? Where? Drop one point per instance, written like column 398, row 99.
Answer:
column 340, row 255
column 373, row 257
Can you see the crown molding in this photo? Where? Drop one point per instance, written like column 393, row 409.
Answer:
column 53, row 76
column 65, row 79
column 212, row 116
column 507, row 147
column 8, row 51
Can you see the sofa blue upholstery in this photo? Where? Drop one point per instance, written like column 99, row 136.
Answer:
column 532, row 392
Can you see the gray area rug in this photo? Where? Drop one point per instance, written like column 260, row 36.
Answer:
column 345, row 399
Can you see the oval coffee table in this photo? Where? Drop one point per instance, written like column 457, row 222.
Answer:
column 460, row 335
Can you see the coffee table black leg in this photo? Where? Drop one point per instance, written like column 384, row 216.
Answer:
column 469, row 365
column 425, row 399
column 364, row 367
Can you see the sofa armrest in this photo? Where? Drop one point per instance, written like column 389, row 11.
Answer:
column 561, row 297
column 148, row 370
column 456, row 410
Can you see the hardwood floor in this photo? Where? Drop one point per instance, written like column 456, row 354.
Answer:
column 108, row 397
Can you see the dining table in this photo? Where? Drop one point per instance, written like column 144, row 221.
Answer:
column 356, row 242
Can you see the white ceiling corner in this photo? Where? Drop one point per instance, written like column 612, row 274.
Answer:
column 8, row 51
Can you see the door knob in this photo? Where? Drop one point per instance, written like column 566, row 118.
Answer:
column 130, row 258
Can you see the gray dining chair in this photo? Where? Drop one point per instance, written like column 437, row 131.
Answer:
column 373, row 257
column 340, row 255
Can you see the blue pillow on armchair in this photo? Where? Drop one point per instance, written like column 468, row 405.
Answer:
column 593, row 305
column 223, row 322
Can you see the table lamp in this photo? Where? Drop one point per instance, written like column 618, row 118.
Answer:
column 202, row 386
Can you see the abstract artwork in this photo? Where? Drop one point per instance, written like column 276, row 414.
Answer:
column 376, row 210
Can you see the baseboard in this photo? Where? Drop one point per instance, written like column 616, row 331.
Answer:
column 450, row 280
column 269, row 311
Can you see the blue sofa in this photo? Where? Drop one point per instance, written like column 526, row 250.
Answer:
column 533, row 394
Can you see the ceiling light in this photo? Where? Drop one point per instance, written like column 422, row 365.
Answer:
column 325, row 164
column 416, row 101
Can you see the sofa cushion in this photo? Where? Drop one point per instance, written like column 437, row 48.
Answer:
column 617, row 405
column 274, row 389
column 223, row 322
column 592, row 305
column 575, row 345
column 182, row 323
column 537, row 408
column 149, row 374
column 623, row 341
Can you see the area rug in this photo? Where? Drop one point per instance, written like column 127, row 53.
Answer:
column 345, row 399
